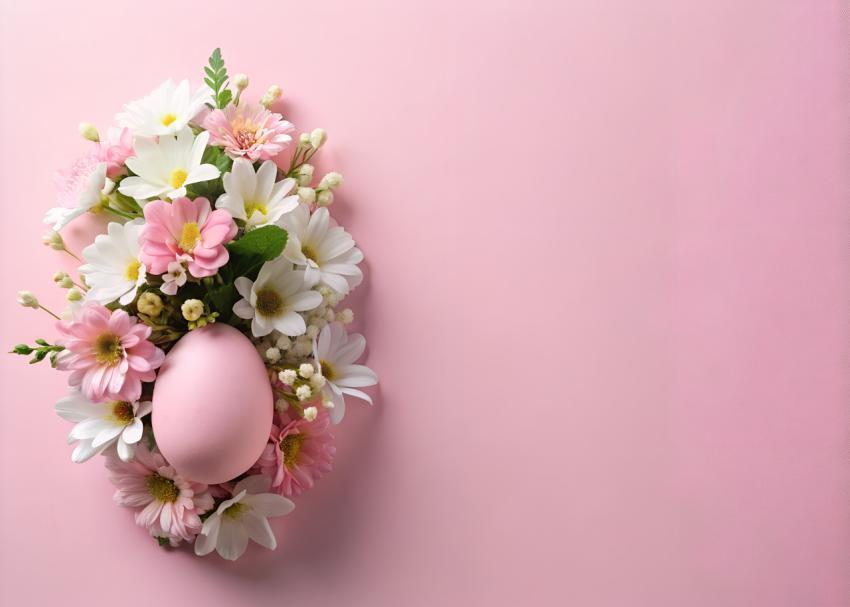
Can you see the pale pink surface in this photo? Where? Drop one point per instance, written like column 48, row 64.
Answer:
column 212, row 405
column 614, row 231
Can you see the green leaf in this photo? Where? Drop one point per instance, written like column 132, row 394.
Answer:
column 266, row 242
column 217, row 79
column 212, row 188
column 221, row 299
column 22, row 349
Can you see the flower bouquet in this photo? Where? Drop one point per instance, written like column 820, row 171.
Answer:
column 207, row 352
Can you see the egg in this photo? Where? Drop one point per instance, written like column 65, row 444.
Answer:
column 212, row 405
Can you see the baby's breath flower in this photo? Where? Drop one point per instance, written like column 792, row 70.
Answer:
column 288, row 376
column 150, row 304
column 310, row 413
column 318, row 381
column 303, row 393
column 282, row 343
column 281, row 404
column 306, row 370
column 272, row 355
column 192, row 309
column 27, row 299
column 303, row 346
column 345, row 316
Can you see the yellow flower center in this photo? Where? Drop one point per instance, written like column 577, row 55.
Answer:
column 290, row 446
column 234, row 510
column 108, row 350
column 269, row 303
column 162, row 489
column 167, row 119
column 327, row 370
column 309, row 252
column 252, row 207
column 189, row 236
column 122, row 412
column 132, row 272
column 178, row 178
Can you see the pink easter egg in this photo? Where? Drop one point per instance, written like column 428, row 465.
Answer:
column 212, row 405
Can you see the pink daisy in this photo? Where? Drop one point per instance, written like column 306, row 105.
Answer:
column 186, row 230
column 73, row 183
column 298, row 454
column 115, row 150
column 249, row 131
column 108, row 353
column 166, row 504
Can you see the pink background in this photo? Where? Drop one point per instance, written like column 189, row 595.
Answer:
column 606, row 295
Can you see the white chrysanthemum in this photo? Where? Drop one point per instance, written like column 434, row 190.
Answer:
column 166, row 167
column 100, row 425
column 274, row 300
column 324, row 249
column 112, row 269
column 87, row 197
column 255, row 198
column 335, row 352
column 165, row 111
column 241, row 518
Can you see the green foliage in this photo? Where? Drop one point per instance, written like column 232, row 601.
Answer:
column 217, row 79
column 40, row 351
column 213, row 188
column 266, row 242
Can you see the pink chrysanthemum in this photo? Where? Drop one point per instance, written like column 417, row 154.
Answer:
column 115, row 150
column 298, row 454
column 108, row 353
column 166, row 504
column 249, row 131
column 186, row 230
column 72, row 183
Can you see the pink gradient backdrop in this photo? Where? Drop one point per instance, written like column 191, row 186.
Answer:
column 606, row 295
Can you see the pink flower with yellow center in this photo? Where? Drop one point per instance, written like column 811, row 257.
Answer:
column 298, row 454
column 165, row 503
column 186, row 231
column 249, row 131
column 108, row 353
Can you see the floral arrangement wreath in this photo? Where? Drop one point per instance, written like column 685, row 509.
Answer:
column 208, row 354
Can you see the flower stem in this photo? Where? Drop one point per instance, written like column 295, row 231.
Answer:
column 72, row 255
column 49, row 312
column 119, row 212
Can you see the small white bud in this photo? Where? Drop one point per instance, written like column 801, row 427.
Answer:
column 328, row 403
column 318, row 137
column 305, row 174
column 53, row 239
column 88, row 131
column 306, row 370
column 303, row 393
column 330, row 315
column 304, row 139
column 240, row 81
column 272, row 355
column 59, row 276
column 310, row 413
column 282, row 343
column 307, row 195
column 287, row 376
column 27, row 299
column 330, row 181
column 318, row 381
column 345, row 316
column 281, row 404
column 74, row 294
column 325, row 198
column 275, row 92
column 192, row 309
column 66, row 282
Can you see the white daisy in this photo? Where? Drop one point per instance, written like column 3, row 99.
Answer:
column 166, row 167
column 324, row 249
column 165, row 111
column 100, row 425
column 243, row 517
column 87, row 196
column 113, row 270
column 274, row 300
column 255, row 198
column 335, row 352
